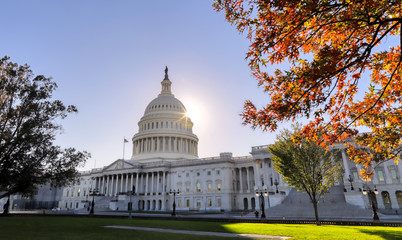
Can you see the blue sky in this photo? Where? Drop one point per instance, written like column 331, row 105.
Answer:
column 108, row 57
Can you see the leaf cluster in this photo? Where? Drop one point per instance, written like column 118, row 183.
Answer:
column 329, row 45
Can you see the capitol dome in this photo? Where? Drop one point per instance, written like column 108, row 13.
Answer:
column 165, row 132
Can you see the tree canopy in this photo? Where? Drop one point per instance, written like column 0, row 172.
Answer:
column 305, row 166
column 329, row 46
column 28, row 126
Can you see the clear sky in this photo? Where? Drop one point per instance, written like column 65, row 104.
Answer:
column 108, row 59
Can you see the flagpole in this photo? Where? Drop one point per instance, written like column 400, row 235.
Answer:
column 124, row 145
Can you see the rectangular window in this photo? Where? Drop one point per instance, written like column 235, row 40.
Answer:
column 209, row 202
column 355, row 176
column 78, row 192
column 209, row 173
column 218, row 172
column 188, row 203
column 393, row 174
column 218, row 186
column 209, row 187
column 380, row 175
column 187, row 187
column 198, row 204
column 219, row 202
column 179, row 203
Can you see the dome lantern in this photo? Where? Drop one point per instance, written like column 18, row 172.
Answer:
column 166, row 84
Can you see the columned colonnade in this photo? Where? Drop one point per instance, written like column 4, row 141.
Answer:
column 165, row 144
column 144, row 183
column 244, row 181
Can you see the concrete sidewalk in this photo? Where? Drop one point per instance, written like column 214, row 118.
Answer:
column 218, row 234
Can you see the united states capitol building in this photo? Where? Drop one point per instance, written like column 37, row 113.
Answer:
column 165, row 158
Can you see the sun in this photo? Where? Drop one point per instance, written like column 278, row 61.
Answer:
column 194, row 110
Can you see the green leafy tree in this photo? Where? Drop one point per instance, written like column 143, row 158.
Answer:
column 305, row 166
column 28, row 126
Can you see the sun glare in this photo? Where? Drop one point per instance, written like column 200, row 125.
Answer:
column 194, row 110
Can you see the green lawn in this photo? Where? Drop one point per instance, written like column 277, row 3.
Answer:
column 92, row 228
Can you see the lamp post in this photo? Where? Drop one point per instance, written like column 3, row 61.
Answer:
column 371, row 196
column 261, row 194
column 130, row 204
column 93, row 192
column 350, row 179
column 276, row 185
column 174, row 192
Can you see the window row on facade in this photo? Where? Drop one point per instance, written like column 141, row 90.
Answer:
column 165, row 125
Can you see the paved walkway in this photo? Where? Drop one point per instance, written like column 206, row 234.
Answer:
column 218, row 234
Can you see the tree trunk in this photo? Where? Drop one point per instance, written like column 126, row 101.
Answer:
column 6, row 207
column 317, row 220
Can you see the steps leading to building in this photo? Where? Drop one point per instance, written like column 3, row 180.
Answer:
column 332, row 204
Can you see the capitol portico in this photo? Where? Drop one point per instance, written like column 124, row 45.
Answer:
column 165, row 157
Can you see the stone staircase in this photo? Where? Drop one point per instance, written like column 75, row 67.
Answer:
column 298, row 204
column 102, row 203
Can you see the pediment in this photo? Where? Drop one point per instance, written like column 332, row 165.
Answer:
column 119, row 165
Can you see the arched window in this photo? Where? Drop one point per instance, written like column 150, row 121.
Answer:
column 209, row 186
column 386, row 199
column 399, row 196
column 198, row 187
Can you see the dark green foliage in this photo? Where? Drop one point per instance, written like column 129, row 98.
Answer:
column 28, row 126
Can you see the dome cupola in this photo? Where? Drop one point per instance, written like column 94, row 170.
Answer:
column 165, row 132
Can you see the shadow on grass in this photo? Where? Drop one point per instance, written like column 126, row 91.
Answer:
column 63, row 228
column 385, row 234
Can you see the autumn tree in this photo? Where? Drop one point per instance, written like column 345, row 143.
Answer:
column 338, row 75
column 305, row 165
column 28, row 126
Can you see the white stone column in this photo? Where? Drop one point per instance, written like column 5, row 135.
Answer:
column 111, row 186
column 131, row 182
column 146, row 183
column 257, row 176
column 157, row 144
column 152, row 183
column 241, row 180
column 163, row 184
column 126, row 187
column 157, row 183
column 117, row 184
column 136, row 183
column 146, row 145
column 248, row 180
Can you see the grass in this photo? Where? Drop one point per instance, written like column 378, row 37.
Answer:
column 27, row 228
